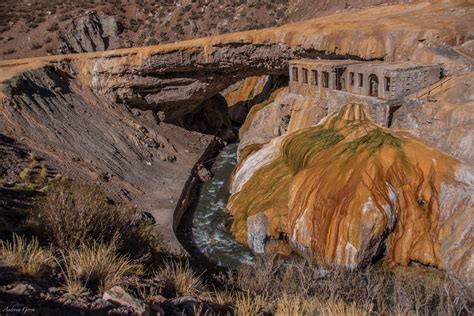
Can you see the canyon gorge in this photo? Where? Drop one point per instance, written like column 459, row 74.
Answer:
column 321, row 176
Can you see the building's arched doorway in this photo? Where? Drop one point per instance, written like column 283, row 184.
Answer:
column 373, row 85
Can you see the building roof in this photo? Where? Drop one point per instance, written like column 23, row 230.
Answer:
column 326, row 62
column 369, row 64
column 396, row 65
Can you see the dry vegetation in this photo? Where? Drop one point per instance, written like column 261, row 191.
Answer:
column 95, row 268
column 180, row 280
column 27, row 256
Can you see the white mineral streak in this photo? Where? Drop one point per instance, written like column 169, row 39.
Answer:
column 351, row 253
column 367, row 205
column 300, row 227
column 339, row 253
column 391, row 210
column 465, row 174
column 254, row 162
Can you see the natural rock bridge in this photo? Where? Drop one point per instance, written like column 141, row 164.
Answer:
column 87, row 113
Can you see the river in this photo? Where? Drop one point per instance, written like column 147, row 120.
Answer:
column 204, row 229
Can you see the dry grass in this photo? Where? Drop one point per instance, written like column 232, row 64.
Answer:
column 288, row 305
column 331, row 308
column 222, row 298
column 303, row 288
column 27, row 256
column 248, row 304
column 95, row 268
column 180, row 279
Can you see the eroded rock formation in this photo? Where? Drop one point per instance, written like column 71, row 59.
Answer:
column 100, row 115
column 174, row 77
column 130, row 154
column 346, row 191
column 89, row 33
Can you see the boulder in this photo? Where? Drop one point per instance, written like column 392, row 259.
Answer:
column 203, row 173
column 257, row 228
column 117, row 295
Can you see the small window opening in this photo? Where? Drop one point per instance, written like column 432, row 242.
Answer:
column 325, row 79
column 295, row 73
column 361, row 80
column 314, row 75
column 387, row 83
column 305, row 75
column 351, row 78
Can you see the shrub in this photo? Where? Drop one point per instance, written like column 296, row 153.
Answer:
column 73, row 215
column 179, row 279
column 421, row 290
column 27, row 256
column 95, row 268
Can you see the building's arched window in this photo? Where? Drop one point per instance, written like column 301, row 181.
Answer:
column 373, row 85
column 325, row 79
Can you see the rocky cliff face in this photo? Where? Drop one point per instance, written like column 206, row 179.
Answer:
column 130, row 154
column 89, row 33
column 346, row 192
column 173, row 77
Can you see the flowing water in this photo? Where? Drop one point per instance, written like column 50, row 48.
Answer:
column 204, row 228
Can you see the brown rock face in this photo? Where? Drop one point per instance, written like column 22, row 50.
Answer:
column 174, row 77
column 129, row 153
column 346, row 191
column 89, row 33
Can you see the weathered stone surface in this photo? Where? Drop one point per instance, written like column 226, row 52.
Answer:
column 266, row 121
column 133, row 158
column 257, row 232
column 203, row 173
column 119, row 296
column 89, row 33
column 347, row 191
column 243, row 95
column 171, row 78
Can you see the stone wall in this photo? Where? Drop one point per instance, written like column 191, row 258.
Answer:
column 332, row 100
column 404, row 79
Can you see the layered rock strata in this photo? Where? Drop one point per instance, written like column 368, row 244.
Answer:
column 129, row 153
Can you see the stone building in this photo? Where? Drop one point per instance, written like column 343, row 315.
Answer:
column 330, row 84
column 384, row 80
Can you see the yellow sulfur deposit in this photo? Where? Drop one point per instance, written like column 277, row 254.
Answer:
column 345, row 191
